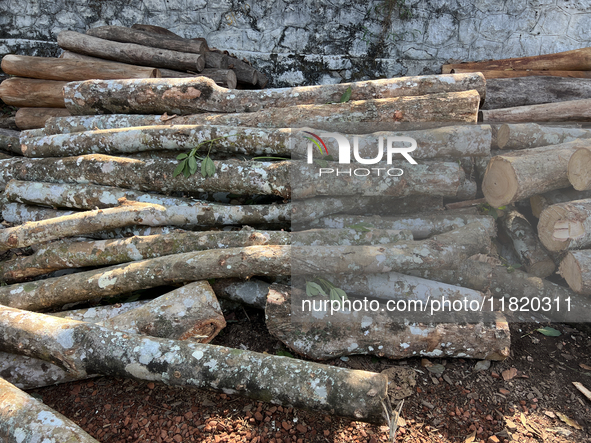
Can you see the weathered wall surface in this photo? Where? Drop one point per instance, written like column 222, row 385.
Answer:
column 313, row 41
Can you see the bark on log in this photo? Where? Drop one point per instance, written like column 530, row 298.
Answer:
column 145, row 38
column 526, row 244
column 491, row 74
column 18, row 213
column 251, row 292
column 72, row 70
column 579, row 169
column 566, row 226
column 34, row 93
column 421, row 225
column 348, row 334
column 9, row 141
column 207, row 96
column 573, row 110
column 84, row 348
column 244, row 72
column 532, row 135
column 393, row 206
column 154, row 29
column 64, row 254
column 241, row 177
column 26, row 419
column 226, row 78
column 575, row 60
column 216, row 60
column 522, row 174
column 349, row 237
column 33, row 118
column 575, row 268
column 129, row 52
column 8, row 123
column 512, row 92
column 541, row 201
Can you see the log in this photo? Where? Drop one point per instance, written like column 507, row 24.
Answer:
column 130, row 52
column 421, row 225
column 18, row 214
column 244, row 72
column 360, row 332
column 526, row 244
column 33, row 118
column 9, row 141
column 541, row 201
column 525, row 91
column 348, row 237
column 252, row 292
column 573, row 110
column 65, row 254
column 215, row 99
column 34, row 93
column 247, row 178
column 146, row 38
column 531, row 135
column 575, row 60
column 72, row 70
column 154, row 30
column 26, row 419
column 491, row 74
column 85, row 348
column 216, row 60
column 226, row 78
column 579, row 174
column 575, row 268
column 566, row 226
column 522, row 174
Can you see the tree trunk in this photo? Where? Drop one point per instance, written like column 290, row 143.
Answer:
column 244, row 72
column 526, row 244
column 349, row 237
column 130, row 52
column 566, row 226
column 541, row 201
column 34, row 93
column 163, row 94
column 385, row 336
column 522, row 174
column 216, row 60
column 33, row 118
column 85, row 348
column 65, row 254
column 513, row 74
column 573, row 110
column 525, row 91
column 240, row 177
column 145, row 38
column 24, row 418
column 421, row 225
column 9, row 141
column 155, row 30
column 579, row 169
column 71, row 70
column 252, row 292
column 575, row 60
column 531, row 135
column 575, row 268
column 17, row 213
column 393, row 206
column 226, row 78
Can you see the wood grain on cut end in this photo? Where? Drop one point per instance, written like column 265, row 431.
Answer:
column 503, row 134
column 500, row 182
column 579, row 169
column 547, row 225
column 570, row 270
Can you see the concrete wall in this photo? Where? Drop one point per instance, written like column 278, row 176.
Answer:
column 313, row 41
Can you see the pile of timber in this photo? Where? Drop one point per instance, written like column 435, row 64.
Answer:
column 109, row 53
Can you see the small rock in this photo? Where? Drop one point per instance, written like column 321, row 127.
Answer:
column 326, row 432
column 493, row 439
column 151, row 385
column 285, row 425
column 504, row 391
column 258, row 416
column 550, row 414
column 301, row 428
column 482, row 365
column 427, row 404
column 511, row 426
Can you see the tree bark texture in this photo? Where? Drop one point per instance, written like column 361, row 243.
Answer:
column 252, row 292
column 579, row 169
column 9, row 141
column 531, row 135
column 226, row 78
column 18, row 213
column 569, row 111
column 129, row 52
column 245, row 73
column 32, row 92
column 84, row 348
column 24, row 418
column 525, row 91
column 541, row 201
column 522, row 174
column 146, row 38
column 492, row 74
column 526, row 244
column 154, row 30
column 384, row 336
column 33, row 118
column 566, row 226
column 575, row 268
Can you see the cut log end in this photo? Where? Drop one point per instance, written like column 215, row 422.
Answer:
column 543, row 268
column 503, row 134
column 579, row 169
column 500, row 183
column 571, row 271
column 554, row 229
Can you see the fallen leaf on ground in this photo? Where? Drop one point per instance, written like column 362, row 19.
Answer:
column 509, row 374
column 470, row 438
column 585, row 367
column 550, row 414
column 548, row 331
column 568, row 421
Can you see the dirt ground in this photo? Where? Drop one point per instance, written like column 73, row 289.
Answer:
column 520, row 399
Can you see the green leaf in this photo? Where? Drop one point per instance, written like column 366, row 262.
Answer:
column 182, row 156
column 342, row 294
column 207, row 167
column 192, row 165
column 313, row 289
column 502, row 208
column 186, row 171
column 329, row 158
column 361, row 227
column 179, row 168
column 321, row 162
column 346, row 95
column 284, row 354
column 549, row 332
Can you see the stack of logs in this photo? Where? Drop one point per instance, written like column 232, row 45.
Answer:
column 545, row 88
column 114, row 52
